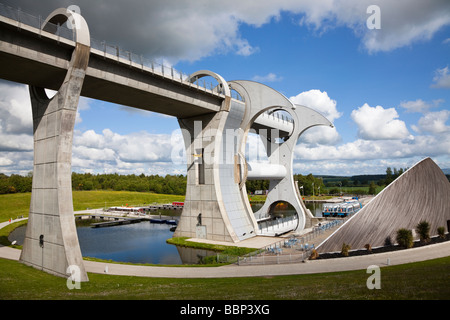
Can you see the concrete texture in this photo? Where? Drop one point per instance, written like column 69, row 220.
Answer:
column 51, row 240
column 260, row 98
column 422, row 193
column 216, row 204
column 213, row 207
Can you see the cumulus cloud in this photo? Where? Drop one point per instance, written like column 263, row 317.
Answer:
column 270, row 77
column 441, row 78
column 187, row 30
column 364, row 150
column 433, row 122
column 16, row 123
column 108, row 150
column 321, row 102
column 419, row 105
column 15, row 109
column 379, row 123
column 190, row 30
column 406, row 22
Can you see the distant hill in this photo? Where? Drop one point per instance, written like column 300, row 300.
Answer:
column 362, row 178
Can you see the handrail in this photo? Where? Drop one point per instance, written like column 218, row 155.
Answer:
column 110, row 51
column 300, row 243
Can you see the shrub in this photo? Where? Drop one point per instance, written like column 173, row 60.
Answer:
column 314, row 254
column 368, row 247
column 423, row 229
column 405, row 238
column 441, row 232
column 345, row 249
column 388, row 241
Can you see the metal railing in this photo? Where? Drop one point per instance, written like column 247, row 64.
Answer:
column 277, row 224
column 277, row 116
column 113, row 51
column 299, row 248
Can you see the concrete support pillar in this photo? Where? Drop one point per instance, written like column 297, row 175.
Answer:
column 213, row 207
column 51, row 241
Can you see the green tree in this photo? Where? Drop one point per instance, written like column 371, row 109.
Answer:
column 372, row 188
column 389, row 176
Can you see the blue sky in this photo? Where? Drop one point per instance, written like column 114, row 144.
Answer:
column 386, row 90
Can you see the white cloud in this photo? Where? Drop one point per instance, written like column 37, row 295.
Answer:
column 5, row 161
column 406, row 22
column 255, row 149
column 319, row 101
column 379, row 123
column 135, row 151
column 322, row 103
column 270, row 77
column 15, row 109
column 16, row 123
column 441, row 78
column 190, row 30
column 403, row 22
column 419, row 105
column 377, row 151
column 433, row 122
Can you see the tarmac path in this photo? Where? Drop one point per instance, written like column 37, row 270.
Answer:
column 311, row 266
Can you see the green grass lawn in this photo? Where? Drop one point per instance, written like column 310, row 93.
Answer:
column 423, row 280
column 17, row 204
column 428, row 280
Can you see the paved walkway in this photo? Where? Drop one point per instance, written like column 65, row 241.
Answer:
column 308, row 267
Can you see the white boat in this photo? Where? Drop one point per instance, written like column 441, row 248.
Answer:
column 341, row 210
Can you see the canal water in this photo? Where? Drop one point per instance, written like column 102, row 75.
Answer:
column 142, row 242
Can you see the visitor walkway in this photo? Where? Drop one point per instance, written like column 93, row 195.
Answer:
column 310, row 266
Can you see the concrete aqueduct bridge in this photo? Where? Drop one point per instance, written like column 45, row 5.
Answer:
column 215, row 128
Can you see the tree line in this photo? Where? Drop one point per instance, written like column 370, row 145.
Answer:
column 169, row 184
column 308, row 184
column 176, row 184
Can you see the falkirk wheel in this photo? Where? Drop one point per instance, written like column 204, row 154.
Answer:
column 216, row 204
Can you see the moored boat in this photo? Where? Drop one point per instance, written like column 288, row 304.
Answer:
column 341, row 209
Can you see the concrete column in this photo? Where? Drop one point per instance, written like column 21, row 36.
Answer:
column 213, row 207
column 51, row 240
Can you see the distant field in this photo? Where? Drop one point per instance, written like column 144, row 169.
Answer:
column 353, row 189
column 17, row 204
